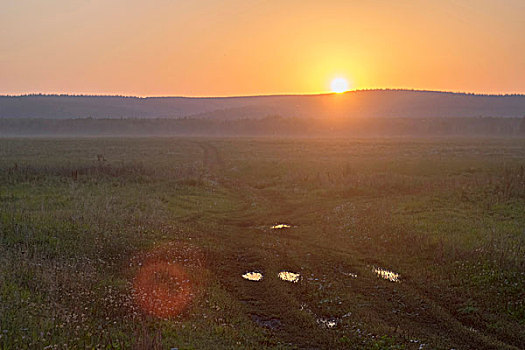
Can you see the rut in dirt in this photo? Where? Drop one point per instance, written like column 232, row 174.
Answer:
column 276, row 309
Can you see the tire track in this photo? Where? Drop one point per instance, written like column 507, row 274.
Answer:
column 211, row 158
column 438, row 315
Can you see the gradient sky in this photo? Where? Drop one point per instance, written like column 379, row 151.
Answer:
column 246, row 47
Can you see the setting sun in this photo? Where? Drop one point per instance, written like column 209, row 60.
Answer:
column 339, row 85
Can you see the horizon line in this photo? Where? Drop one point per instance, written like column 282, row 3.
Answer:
column 262, row 95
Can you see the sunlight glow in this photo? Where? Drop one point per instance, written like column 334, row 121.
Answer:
column 339, row 85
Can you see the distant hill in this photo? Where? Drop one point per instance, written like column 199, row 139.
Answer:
column 362, row 103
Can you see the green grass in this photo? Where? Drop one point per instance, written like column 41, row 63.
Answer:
column 448, row 215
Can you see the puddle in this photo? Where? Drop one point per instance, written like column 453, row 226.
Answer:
column 386, row 274
column 271, row 323
column 289, row 276
column 327, row 322
column 253, row 276
column 280, row 227
column 350, row 274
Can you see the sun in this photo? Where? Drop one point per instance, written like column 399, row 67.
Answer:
column 339, row 85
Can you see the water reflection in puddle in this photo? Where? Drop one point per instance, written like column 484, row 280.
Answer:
column 270, row 323
column 253, row 276
column 386, row 274
column 289, row 276
column 327, row 322
column 350, row 274
column 280, row 226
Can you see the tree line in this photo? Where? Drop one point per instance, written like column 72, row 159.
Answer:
column 269, row 126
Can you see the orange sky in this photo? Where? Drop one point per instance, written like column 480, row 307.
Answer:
column 234, row 47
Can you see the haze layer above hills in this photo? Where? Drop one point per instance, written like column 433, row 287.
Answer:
column 363, row 103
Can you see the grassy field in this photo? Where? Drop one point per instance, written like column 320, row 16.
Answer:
column 142, row 243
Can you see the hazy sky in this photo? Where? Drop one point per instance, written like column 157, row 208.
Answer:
column 244, row 47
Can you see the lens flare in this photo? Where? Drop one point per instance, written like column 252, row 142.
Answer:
column 162, row 289
column 166, row 280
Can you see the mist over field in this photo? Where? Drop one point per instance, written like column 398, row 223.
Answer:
column 352, row 114
column 364, row 104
